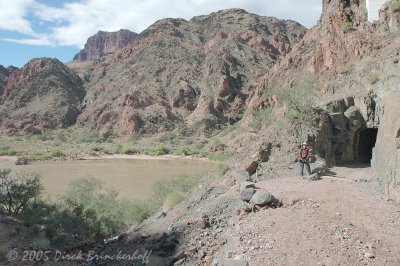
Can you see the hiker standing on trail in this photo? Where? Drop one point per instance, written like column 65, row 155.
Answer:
column 304, row 156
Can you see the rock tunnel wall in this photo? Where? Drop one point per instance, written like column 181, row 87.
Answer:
column 386, row 157
column 344, row 127
column 354, row 130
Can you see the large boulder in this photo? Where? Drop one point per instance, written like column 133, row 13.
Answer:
column 22, row 161
column 246, row 184
column 240, row 176
column 264, row 198
column 247, row 194
column 252, row 167
column 314, row 177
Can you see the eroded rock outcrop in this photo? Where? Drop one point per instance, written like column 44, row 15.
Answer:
column 386, row 159
column 44, row 94
column 195, row 72
column 104, row 43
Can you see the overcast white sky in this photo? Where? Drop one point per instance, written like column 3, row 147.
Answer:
column 68, row 23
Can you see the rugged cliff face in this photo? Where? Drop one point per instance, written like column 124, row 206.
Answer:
column 353, row 64
column 104, row 43
column 44, row 94
column 196, row 73
column 3, row 79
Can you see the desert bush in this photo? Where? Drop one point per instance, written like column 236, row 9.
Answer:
column 45, row 136
column 161, row 150
column 221, row 169
column 174, row 198
column 90, row 211
column 260, row 118
column 97, row 149
column 299, row 102
column 128, row 150
column 185, row 151
column 373, row 78
column 61, row 136
column 17, row 190
column 57, row 153
column 90, row 136
column 136, row 211
column 168, row 136
column 347, row 26
column 38, row 156
column 86, row 212
column 37, row 213
column 181, row 184
column 8, row 151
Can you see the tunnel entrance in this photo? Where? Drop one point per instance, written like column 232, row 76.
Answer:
column 366, row 141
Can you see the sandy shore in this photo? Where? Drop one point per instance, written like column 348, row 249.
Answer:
column 8, row 158
column 119, row 156
column 139, row 157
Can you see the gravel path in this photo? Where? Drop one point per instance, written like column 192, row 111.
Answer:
column 342, row 219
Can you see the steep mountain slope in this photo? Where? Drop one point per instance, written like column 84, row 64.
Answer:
column 350, row 64
column 104, row 43
column 197, row 73
column 343, row 218
column 44, row 94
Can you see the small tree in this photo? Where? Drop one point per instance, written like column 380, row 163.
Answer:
column 299, row 101
column 17, row 190
column 100, row 212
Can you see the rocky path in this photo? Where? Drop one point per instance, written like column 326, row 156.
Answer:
column 342, row 219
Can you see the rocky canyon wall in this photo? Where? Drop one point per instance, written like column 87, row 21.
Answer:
column 386, row 160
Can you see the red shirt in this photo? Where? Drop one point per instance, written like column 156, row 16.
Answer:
column 304, row 153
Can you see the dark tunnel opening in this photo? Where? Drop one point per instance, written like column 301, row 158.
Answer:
column 366, row 141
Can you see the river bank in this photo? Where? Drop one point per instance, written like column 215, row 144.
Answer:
column 114, row 157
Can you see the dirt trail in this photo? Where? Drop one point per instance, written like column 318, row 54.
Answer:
column 342, row 219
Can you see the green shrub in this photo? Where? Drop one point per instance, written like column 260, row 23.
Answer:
column 129, row 150
column 222, row 169
column 161, row 150
column 90, row 211
column 165, row 187
column 57, row 153
column 373, row 78
column 136, row 211
column 172, row 199
column 189, row 141
column 17, row 190
column 168, row 136
column 299, row 102
column 90, row 136
column 185, row 151
column 8, row 151
column 347, row 26
column 61, row 137
column 45, row 136
column 97, row 149
column 87, row 212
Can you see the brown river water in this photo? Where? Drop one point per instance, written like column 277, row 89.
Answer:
column 132, row 178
